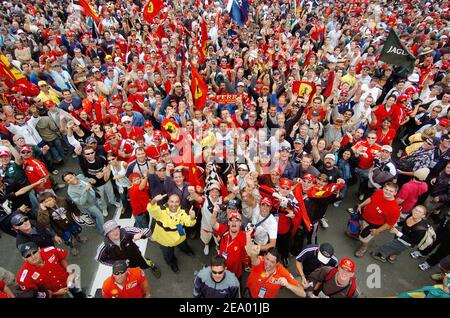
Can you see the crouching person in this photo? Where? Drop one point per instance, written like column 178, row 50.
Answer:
column 55, row 212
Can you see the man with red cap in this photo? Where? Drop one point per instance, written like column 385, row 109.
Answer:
column 148, row 128
column 154, row 151
column 232, row 239
column 265, row 225
column 122, row 148
column 93, row 103
column 112, row 115
column 35, row 170
column 334, row 282
column 135, row 98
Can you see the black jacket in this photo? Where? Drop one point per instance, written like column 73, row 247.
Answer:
column 108, row 252
column 40, row 235
column 441, row 188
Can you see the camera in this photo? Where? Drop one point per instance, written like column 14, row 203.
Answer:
column 249, row 226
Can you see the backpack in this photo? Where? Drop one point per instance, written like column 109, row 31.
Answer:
column 354, row 224
column 351, row 291
column 428, row 239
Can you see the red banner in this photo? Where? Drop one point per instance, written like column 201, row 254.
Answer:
column 232, row 98
column 199, row 89
column 304, row 89
column 88, row 9
column 151, row 9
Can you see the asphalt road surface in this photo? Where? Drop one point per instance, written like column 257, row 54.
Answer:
column 375, row 279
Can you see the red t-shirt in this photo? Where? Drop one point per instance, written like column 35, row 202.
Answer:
column 52, row 276
column 134, row 99
column 232, row 249
column 385, row 139
column 132, row 288
column 138, row 199
column 35, row 170
column 135, row 131
column 381, row 211
column 2, row 287
column 410, row 193
column 380, row 114
column 371, row 151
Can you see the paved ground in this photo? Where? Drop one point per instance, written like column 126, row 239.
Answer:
column 393, row 278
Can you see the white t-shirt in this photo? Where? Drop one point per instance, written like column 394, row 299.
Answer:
column 267, row 229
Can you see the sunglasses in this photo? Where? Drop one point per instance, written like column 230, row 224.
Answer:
column 88, row 154
column 127, row 122
column 90, row 91
column 119, row 272
column 217, row 273
column 22, row 222
column 30, row 254
column 25, row 152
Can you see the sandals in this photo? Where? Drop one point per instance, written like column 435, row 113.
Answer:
column 378, row 257
column 360, row 252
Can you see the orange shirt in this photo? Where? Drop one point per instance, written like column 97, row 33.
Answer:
column 262, row 285
column 132, row 288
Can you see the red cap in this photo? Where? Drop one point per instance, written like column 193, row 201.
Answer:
column 49, row 103
column 132, row 85
column 309, row 177
column 266, row 200
column 148, row 123
column 133, row 175
column 348, row 264
column 284, row 182
column 4, row 152
column 27, row 148
column 411, row 90
column 116, row 97
column 157, row 135
column 402, row 98
column 235, row 215
column 444, row 122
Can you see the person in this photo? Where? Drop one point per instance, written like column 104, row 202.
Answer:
column 211, row 198
column 232, row 239
column 411, row 234
column 139, row 199
column 265, row 224
column 85, row 196
column 31, row 231
column 45, row 271
column 215, row 281
column 5, row 291
column 411, row 191
column 380, row 212
column 312, row 257
column 126, row 282
column 335, row 282
column 169, row 230
column 56, row 212
column 119, row 244
column 267, row 275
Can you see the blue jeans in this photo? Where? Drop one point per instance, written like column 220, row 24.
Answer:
column 393, row 247
column 97, row 215
column 57, row 149
column 106, row 190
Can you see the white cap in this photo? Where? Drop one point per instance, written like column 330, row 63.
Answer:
column 322, row 258
column 126, row 118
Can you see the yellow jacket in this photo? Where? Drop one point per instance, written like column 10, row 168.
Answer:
column 166, row 232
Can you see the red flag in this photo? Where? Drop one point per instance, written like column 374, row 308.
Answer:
column 304, row 89
column 326, row 191
column 13, row 77
column 199, row 89
column 204, row 41
column 151, row 9
column 194, row 176
column 298, row 194
column 88, row 9
column 170, row 130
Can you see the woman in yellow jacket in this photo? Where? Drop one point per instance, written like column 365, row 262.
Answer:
column 169, row 229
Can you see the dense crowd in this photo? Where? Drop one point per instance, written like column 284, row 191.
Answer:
column 297, row 109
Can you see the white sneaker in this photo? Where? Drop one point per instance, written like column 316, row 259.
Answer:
column 416, row 254
column 361, row 197
column 424, row 266
column 55, row 172
column 206, row 250
column 324, row 223
column 337, row 204
column 74, row 155
column 105, row 212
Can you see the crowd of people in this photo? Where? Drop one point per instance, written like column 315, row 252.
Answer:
column 298, row 113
